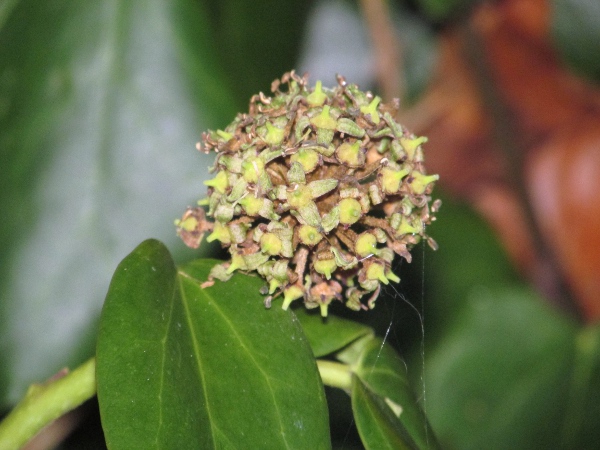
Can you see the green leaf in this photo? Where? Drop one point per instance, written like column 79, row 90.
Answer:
column 440, row 10
column 382, row 370
column 576, row 32
column 258, row 42
column 180, row 366
column 500, row 376
column 330, row 334
column 101, row 104
column 377, row 425
column 580, row 423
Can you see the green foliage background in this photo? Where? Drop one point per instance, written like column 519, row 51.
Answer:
column 101, row 104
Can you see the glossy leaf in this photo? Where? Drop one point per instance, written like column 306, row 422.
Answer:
column 377, row 425
column 383, row 372
column 257, row 42
column 101, row 104
column 500, row 377
column 330, row 334
column 180, row 366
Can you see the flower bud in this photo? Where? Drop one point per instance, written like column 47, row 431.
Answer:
column 350, row 154
column 350, row 211
column 220, row 182
column 325, row 266
column 308, row 158
column 270, row 244
column 317, row 97
column 371, row 110
column 309, row 235
column 221, row 233
column 366, row 245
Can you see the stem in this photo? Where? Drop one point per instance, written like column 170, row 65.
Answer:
column 44, row 403
column 386, row 47
column 335, row 374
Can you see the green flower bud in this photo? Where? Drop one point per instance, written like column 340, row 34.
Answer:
column 220, row 182
column 317, row 97
column 274, row 135
column 270, row 244
column 405, row 227
column 237, row 231
column 371, row 110
column 366, row 245
column 420, row 182
column 324, row 120
column 397, row 151
column 221, row 233
column 392, row 277
column 325, row 136
column 309, row 235
column 350, row 211
column 350, row 154
column 220, row 272
column 410, row 145
column 224, row 212
column 252, row 168
column 325, row 267
column 376, row 271
column 299, row 197
column 237, row 262
column 396, row 128
column 391, row 179
column 258, row 207
column 188, row 224
column 294, row 292
column 308, row 158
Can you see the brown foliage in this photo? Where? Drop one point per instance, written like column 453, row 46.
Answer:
column 513, row 132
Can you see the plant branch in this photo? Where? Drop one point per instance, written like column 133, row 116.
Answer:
column 335, row 374
column 385, row 46
column 46, row 402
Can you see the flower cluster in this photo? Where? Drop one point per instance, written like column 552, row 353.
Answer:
column 316, row 190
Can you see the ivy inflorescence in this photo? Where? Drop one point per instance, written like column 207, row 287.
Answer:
column 317, row 190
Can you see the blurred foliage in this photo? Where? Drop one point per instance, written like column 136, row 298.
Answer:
column 576, row 34
column 101, row 105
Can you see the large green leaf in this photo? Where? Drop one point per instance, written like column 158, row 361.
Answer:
column 383, row 373
column 101, row 104
column 377, row 425
column 180, row 366
column 500, row 377
column 257, row 41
